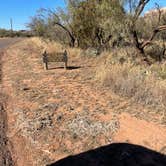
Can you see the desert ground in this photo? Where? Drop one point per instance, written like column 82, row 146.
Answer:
column 55, row 113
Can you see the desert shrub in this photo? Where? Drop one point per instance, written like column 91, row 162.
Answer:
column 155, row 51
column 159, row 70
column 133, row 81
column 5, row 33
column 83, row 23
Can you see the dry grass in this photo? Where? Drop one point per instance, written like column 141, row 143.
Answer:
column 143, row 84
column 159, row 70
column 58, row 111
column 122, row 71
column 54, row 47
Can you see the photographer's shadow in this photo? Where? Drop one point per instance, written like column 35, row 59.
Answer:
column 117, row 154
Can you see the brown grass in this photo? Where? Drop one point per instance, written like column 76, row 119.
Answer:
column 64, row 112
column 54, row 47
column 143, row 84
column 123, row 72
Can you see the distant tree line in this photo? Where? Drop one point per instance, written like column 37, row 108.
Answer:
column 20, row 33
column 101, row 24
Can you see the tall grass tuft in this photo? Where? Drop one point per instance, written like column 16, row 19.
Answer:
column 134, row 81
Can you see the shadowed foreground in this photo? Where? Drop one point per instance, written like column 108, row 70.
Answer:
column 118, row 154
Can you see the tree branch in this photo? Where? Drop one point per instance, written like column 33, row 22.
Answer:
column 140, row 7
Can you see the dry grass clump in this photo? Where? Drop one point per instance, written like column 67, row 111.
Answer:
column 134, row 81
column 159, row 70
column 52, row 46
column 46, row 44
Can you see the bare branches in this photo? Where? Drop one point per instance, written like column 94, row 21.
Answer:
column 157, row 29
column 139, row 9
column 155, row 32
column 56, row 19
column 140, row 45
column 159, row 14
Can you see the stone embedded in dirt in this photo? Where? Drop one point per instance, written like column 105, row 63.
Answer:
column 69, row 108
column 59, row 118
column 50, row 106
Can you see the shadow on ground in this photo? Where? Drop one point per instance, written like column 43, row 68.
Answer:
column 68, row 68
column 118, row 154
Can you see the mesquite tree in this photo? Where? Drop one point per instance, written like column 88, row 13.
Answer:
column 135, row 14
column 98, row 22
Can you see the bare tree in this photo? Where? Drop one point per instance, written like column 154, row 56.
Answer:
column 60, row 19
column 139, row 44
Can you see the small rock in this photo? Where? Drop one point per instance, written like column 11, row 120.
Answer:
column 51, row 106
column 59, row 118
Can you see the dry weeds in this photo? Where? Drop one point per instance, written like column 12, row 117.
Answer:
column 145, row 85
column 63, row 112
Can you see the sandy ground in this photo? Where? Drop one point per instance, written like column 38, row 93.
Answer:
column 5, row 155
column 56, row 113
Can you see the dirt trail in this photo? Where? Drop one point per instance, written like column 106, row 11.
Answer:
column 5, row 155
column 50, row 112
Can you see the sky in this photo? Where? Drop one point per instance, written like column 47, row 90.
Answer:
column 21, row 10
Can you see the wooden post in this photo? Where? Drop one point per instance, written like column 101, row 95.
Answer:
column 65, row 65
column 65, row 60
column 46, row 65
column 45, row 60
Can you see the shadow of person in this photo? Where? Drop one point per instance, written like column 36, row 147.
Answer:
column 117, row 154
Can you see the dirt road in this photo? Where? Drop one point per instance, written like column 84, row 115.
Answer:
column 56, row 113
column 6, row 42
column 5, row 155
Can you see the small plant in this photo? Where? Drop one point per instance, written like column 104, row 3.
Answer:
column 160, row 71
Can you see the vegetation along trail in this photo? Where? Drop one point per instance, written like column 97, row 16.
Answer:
column 55, row 113
column 83, row 83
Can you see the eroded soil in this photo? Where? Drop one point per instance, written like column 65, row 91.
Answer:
column 56, row 113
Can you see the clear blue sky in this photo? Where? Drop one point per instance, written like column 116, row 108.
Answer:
column 21, row 10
